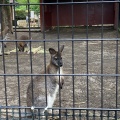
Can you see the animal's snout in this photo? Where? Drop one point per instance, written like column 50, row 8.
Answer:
column 60, row 63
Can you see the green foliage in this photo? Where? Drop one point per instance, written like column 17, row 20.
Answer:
column 21, row 1
column 20, row 14
column 35, row 8
column 6, row 1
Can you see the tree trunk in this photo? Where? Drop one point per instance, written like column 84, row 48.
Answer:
column 6, row 16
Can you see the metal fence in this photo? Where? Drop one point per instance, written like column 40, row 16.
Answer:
column 90, row 63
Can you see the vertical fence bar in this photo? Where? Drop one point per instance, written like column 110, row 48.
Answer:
column 108, row 115
column 102, row 60
column 17, row 62
column 43, row 19
column 44, row 37
column 0, row 19
column 44, row 44
column 58, row 27
column 80, row 117
column 29, row 20
column 5, row 82
column 30, row 53
column 4, row 68
column 66, row 114
column 72, row 13
column 58, row 37
column 87, row 13
column 15, row 21
column 117, row 57
column 93, row 114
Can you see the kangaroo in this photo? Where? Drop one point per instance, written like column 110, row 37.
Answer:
column 4, row 35
column 22, row 45
column 53, row 83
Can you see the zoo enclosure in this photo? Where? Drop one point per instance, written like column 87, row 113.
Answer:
column 94, row 84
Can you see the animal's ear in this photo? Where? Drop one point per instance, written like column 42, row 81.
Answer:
column 61, row 48
column 52, row 51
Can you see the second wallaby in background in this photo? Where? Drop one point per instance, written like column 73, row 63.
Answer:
column 5, row 36
column 5, row 32
column 53, row 83
column 23, row 44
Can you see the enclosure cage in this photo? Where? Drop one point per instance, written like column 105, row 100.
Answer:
column 90, row 33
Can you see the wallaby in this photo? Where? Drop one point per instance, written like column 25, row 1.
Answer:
column 53, row 83
column 23, row 44
column 4, row 35
column 5, row 31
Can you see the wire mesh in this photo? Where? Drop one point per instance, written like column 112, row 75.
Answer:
column 91, row 61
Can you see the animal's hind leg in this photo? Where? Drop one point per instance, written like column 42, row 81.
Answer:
column 0, row 48
column 50, row 103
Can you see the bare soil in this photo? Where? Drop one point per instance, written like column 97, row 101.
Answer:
column 78, row 91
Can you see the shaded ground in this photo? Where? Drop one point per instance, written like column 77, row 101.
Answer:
column 78, row 91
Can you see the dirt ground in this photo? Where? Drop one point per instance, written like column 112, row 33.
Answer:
column 78, row 91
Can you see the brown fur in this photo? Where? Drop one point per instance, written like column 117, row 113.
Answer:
column 5, row 31
column 53, row 83
column 21, row 45
column 4, row 34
